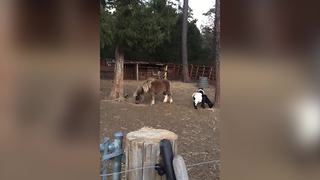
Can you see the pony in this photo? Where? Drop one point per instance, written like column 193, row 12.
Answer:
column 200, row 97
column 154, row 87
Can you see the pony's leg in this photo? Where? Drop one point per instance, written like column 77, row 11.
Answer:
column 169, row 97
column 153, row 100
column 165, row 98
column 171, row 100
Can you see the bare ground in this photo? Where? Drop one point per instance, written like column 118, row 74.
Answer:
column 197, row 130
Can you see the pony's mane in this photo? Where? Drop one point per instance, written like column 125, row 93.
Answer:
column 144, row 88
column 147, row 84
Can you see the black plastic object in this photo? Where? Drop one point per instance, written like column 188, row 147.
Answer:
column 167, row 159
column 160, row 169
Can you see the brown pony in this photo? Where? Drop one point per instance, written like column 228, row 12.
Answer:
column 154, row 87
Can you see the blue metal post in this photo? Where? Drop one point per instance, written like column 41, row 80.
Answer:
column 117, row 160
column 105, row 148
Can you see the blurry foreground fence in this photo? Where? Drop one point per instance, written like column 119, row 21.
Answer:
column 111, row 154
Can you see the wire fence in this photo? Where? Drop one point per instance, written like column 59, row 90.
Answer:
column 153, row 167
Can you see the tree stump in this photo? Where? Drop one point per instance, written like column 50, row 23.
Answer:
column 143, row 152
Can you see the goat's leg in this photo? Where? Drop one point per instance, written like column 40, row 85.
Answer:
column 203, row 104
column 207, row 101
column 210, row 104
column 195, row 105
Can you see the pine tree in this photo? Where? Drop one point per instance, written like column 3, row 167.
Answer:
column 131, row 24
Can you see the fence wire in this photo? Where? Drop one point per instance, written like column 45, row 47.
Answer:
column 153, row 167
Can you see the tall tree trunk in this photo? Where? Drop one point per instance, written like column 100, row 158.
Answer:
column 117, row 89
column 184, row 48
column 217, row 64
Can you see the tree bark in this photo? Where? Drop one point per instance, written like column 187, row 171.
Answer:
column 117, row 88
column 217, row 64
column 185, row 70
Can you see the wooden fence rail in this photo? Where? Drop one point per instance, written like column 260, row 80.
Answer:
column 140, row 70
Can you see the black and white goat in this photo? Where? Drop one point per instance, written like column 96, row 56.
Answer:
column 200, row 97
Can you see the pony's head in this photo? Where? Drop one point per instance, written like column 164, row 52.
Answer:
column 137, row 95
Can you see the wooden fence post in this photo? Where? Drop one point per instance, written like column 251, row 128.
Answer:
column 166, row 72
column 197, row 72
column 143, row 152
column 203, row 69
column 174, row 71
column 137, row 71
column 191, row 71
column 210, row 73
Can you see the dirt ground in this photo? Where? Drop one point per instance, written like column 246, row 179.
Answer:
column 197, row 130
